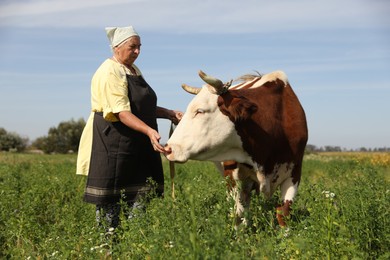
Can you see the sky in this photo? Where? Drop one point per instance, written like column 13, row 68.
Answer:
column 336, row 54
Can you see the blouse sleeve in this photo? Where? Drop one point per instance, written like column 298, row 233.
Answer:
column 115, row 96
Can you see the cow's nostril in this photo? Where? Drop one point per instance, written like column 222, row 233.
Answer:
column 167, row 149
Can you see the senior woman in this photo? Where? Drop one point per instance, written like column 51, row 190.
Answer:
column 119, row 147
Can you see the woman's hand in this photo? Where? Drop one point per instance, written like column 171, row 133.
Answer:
column 175, row 116
column 155, row 137
column 130, row 120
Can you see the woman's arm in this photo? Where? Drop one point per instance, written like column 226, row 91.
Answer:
column 173, row 115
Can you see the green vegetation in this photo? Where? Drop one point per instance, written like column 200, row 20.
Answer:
column 341, row 212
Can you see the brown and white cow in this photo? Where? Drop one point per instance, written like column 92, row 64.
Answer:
column 259, row 125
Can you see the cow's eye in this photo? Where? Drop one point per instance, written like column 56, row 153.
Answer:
column 199, row 111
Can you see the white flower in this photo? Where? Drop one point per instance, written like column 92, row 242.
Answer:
column 94, row 248
column 328, row 194
column 103, row 245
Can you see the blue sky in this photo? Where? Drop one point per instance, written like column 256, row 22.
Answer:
column 336, row 54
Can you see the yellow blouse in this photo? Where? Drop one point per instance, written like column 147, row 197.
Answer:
column 109, row 94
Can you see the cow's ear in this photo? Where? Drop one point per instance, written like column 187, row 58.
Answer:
column 237, row 108
column 242, row 109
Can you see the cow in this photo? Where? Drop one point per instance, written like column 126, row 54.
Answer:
column 257, row 127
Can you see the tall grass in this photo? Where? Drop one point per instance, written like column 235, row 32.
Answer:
column 341, row 212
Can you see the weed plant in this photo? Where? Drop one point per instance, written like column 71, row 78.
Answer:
column 341, row 212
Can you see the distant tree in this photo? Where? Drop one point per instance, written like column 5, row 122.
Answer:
column 382, row 149
column 63, row 138
column 332, row 148
column 12, row 141
column 40, row 143
column 362, row 149
column 310, row 148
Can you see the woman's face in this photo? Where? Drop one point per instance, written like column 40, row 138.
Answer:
column 128, row 51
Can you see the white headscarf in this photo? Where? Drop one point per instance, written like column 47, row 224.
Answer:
column 117, row 35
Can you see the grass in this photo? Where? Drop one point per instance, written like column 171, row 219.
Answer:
column 341, row 212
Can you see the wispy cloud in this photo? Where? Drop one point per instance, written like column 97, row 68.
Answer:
column 229, row 16
column 42, row 7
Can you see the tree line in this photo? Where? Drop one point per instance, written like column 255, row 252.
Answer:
column 65, row 138
column 328, row 148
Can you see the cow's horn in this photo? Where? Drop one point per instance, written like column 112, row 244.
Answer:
column 191, row 90
column 216, row 83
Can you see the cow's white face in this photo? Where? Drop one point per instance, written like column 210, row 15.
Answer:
column 204, row 133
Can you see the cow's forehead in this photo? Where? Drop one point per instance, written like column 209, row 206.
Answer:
column 204, row 99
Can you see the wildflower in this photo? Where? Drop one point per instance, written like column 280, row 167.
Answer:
column 286, row 232
column 94, row 248
column 328, row 194
column 103, row 245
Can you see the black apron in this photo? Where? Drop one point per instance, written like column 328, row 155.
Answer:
column 122, row 159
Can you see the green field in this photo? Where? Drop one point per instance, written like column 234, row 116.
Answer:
column 341, row 212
